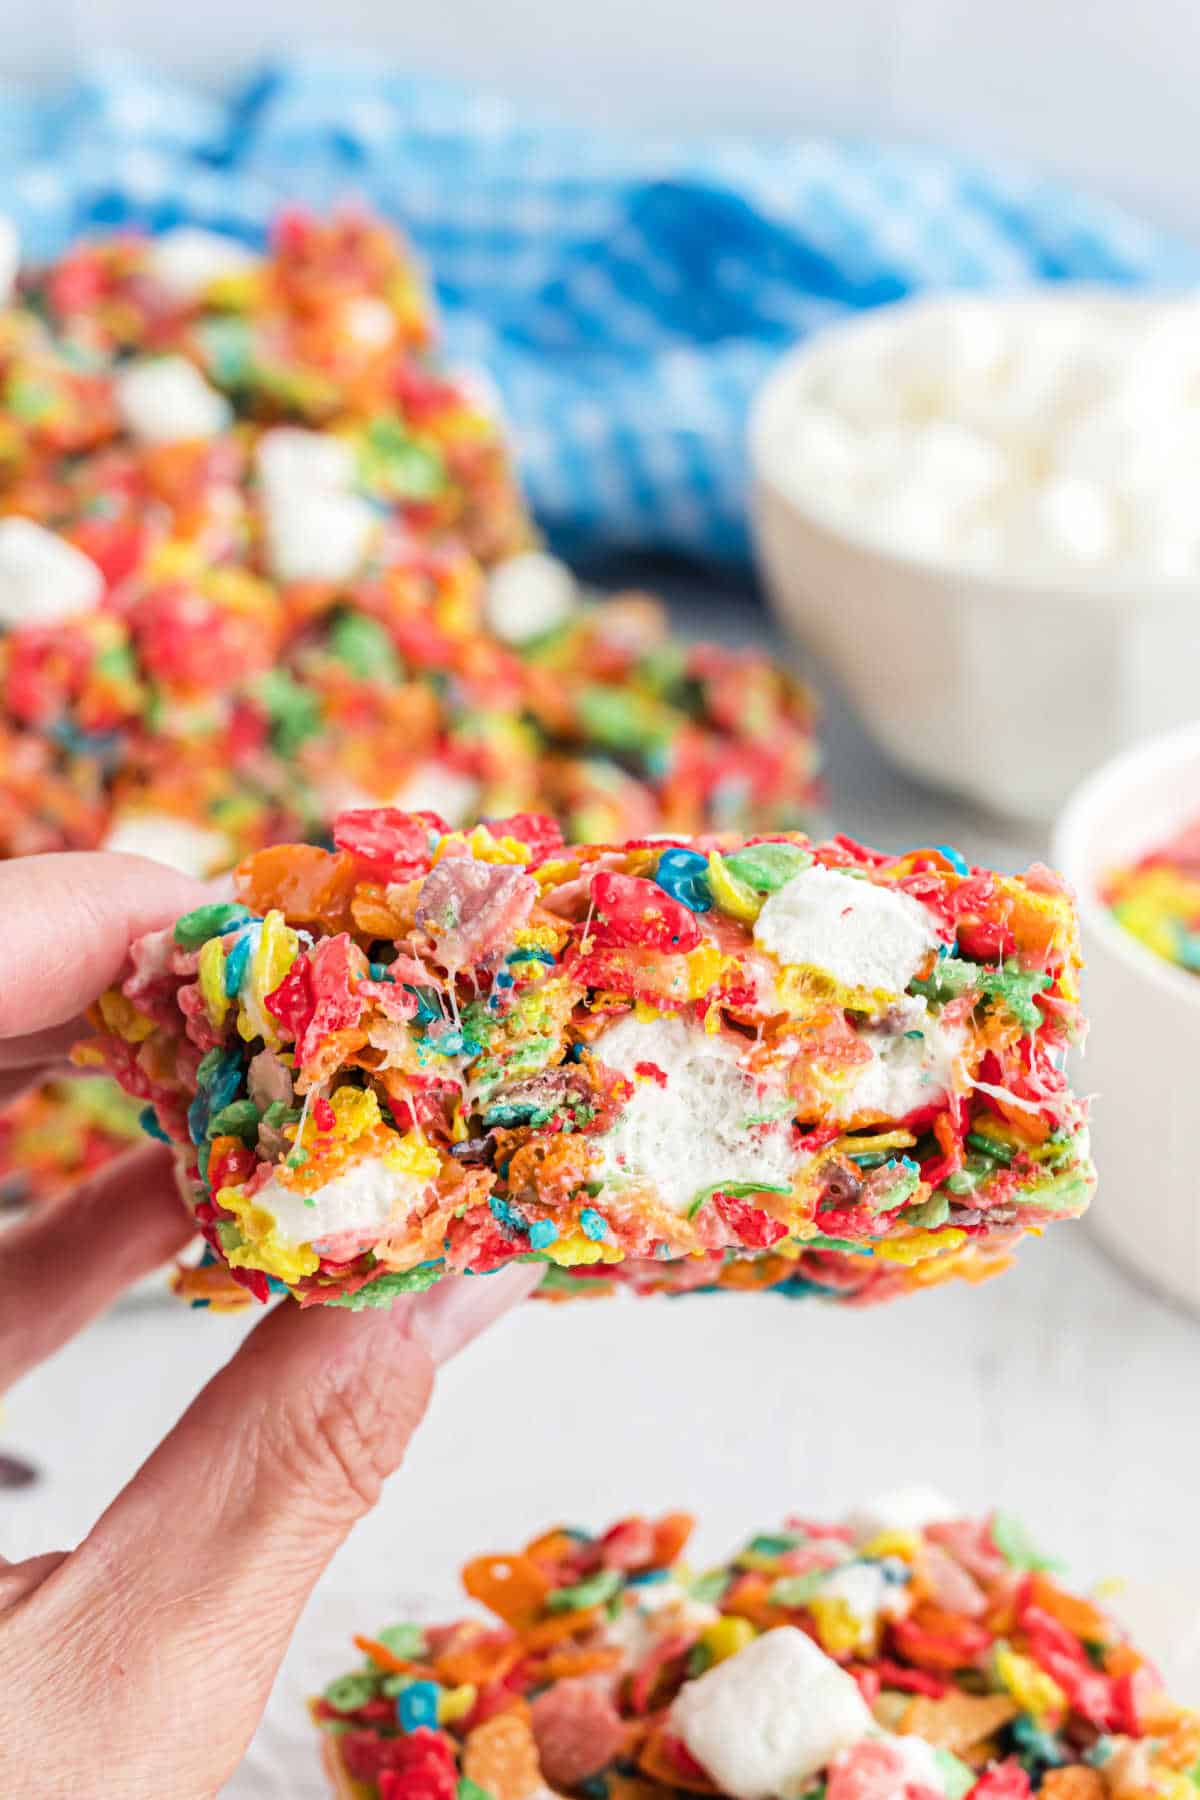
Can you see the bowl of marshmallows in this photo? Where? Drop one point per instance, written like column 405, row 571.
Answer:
column 983, row 512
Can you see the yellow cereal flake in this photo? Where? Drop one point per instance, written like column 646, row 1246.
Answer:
column 705, row 967
column 726, row 1636
column 904, row 1544
column 356, row 1111
column 262, row 1249
column 123, row 1018
column 1033, row 1690
column 920, row 1246
column 274, row 954
column 455, row 1703
column 839, row 1630
column 574, row 1249
column 211, row 975
column 412, row 1155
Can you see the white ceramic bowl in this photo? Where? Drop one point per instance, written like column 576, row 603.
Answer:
column 1005, row 689
column 1143, row 1051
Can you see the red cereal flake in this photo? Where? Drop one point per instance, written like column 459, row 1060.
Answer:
column 393, row 845
column 749, row 1223
column 578, row 1731
column 337, row 1002
column 629, row 911
column 541, row 834
column 1003, row 1781
column 292, row 1002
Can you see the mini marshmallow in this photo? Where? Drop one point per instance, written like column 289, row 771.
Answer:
column 765, row 1721
column 370, row 321
column 10, row 258
column 165, row 399
column 862, row 935
column 43, row 579
column 189, row 259
column 1004, row 437
column 1071, row 519
column 192, row 849
column 909, row 1508
column 529, row 595
column 318, row 536
column 290, row 461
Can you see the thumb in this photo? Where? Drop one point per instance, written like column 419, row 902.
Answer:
column 203, row 1564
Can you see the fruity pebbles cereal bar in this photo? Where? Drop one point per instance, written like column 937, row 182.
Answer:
column 907, row 1653
column 1157, row 898
column 718, row 1063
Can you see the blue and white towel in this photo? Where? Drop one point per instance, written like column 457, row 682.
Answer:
column 626, row 294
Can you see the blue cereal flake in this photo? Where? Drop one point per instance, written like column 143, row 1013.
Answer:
column 684, row 875
column 955, row 858
column 417, row 1705
column 237, row 959
column 524, row 956
column 543, row 1233
column 148, row 1120
column 508, row 1215
column 594, row 1224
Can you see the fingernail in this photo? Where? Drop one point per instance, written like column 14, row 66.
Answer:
column 447, row 1317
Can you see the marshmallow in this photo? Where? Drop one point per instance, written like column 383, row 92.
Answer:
column 318, row 537
column 165, row 399
column 10, row 258
column 529, row 595
column 357, row 1203
column 909, row 1508
column 189, row 259
column 861, row 935
column 764, row 1722
column 1012, row 438
column 290, row 461
column 654, row 1142
column 43, row 579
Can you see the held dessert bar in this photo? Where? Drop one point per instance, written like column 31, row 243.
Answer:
column 724, row 1062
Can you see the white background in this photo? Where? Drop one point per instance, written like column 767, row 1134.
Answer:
column 1103, row 90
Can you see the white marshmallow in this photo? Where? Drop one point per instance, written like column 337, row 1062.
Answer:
column 905, row 1073
column 318, row 536
column 861, row 935
column 291, row 461
column 764, row 1722
column 529, row 595
column 10, row 258
column 370, row 321
column 192, row 849
column 901, row 1509
column 189, row 259
column 655, row 1142
column 165, row 399
column 1008, row 439
column 1068, row 520
column 43, row 579
column 359, row 1202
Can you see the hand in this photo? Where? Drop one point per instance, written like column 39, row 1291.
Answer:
column 140, row 1663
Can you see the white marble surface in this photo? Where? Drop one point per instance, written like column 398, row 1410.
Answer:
column 1062, row 1390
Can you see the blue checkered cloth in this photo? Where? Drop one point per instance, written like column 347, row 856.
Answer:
column 626, row 294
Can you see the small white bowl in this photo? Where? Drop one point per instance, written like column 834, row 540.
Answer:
column 1143, row 1050
column 1005, row 688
